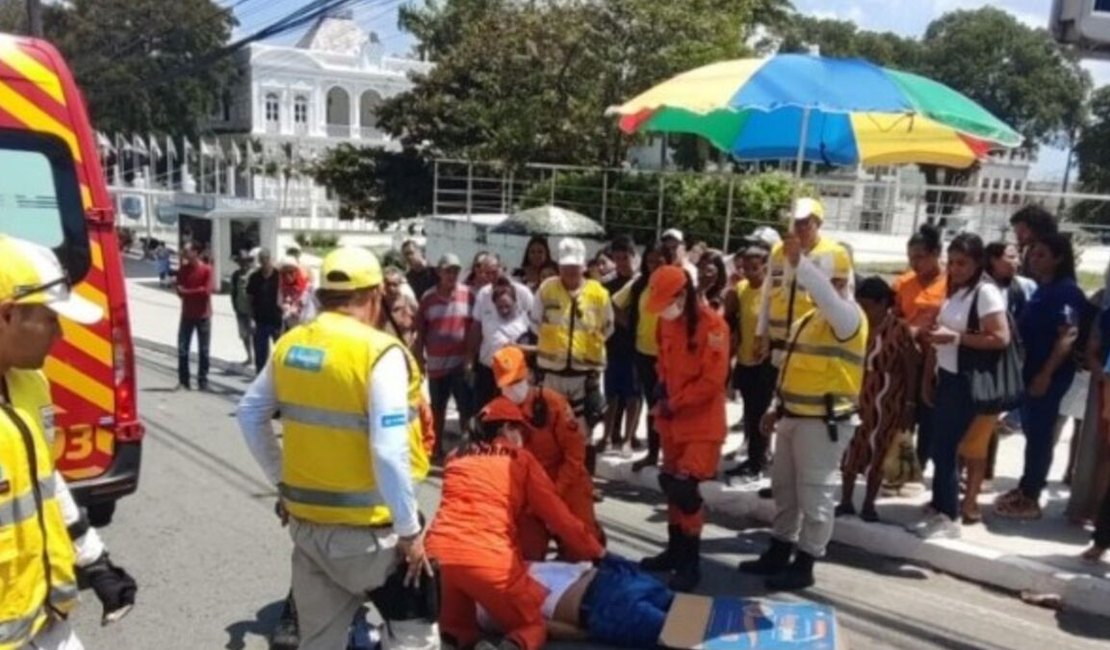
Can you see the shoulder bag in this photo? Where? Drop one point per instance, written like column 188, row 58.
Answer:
column 994, row 376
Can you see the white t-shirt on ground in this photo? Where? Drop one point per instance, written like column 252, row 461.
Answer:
column 954, row 315
column 555, row 577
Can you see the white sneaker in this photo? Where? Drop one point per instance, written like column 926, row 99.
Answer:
column 937, row 526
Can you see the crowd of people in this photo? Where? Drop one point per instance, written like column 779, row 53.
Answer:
column 839, row 376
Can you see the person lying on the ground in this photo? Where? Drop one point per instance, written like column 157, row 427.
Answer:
column 615, row 603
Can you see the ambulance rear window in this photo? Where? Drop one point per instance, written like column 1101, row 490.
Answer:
column 40, row 197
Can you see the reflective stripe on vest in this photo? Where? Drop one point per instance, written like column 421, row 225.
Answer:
column 311, row 497
column 318, row 417
column 820, row 371
column 18, row 630
column 23, row 507
column 828, row 351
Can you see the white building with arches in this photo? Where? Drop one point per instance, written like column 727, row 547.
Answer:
column 321, row 91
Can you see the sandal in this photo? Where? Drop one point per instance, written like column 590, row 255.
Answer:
column 1024, row 509
column 970, row 516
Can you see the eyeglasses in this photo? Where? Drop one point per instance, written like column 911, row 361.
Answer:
column 23, row 292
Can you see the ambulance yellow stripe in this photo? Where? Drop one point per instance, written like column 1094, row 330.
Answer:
column 86, row 197
column 91, row 293
column 81, row 337
column 29, row 67
column 35, row 118
column 97, row 254
column 79, row 384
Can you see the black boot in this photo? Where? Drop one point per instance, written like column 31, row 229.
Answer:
column 668, row 559
column 286, row 634
column 775, row 559
column 687, row 574
column 798, row 575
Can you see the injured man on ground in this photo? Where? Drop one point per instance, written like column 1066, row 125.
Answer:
column 615, row 602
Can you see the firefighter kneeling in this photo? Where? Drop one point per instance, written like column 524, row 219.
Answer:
column 689, row 413
column 555, row 438
column 814, row 417
column 488, row 484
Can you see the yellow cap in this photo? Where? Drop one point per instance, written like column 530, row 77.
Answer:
column 805, row 208
column 32, row 275
column 350, row 268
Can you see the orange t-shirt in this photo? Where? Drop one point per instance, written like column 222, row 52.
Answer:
column 919, row 304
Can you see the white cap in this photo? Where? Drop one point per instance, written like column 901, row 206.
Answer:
column 672, row 233
column 766, row 235
column 572, row 252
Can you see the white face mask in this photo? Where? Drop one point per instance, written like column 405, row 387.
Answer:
column 673, row 311
column 516, row 393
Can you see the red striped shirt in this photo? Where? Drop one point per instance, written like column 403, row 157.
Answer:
column 445, row 323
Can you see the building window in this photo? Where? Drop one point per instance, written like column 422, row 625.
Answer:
column 273, row 109
column 300, row 109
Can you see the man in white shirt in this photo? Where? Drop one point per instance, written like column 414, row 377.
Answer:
column 333, row 379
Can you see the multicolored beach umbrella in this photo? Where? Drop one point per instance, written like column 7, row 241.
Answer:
column 824, row 110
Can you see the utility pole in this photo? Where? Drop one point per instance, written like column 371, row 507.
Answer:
column 34, row 18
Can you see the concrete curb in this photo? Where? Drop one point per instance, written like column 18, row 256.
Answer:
column 228, row 367
column 1010, row 572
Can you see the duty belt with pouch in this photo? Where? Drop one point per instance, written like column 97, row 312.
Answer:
column 831, row 419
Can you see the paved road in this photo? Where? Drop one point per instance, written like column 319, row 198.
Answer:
column 213, row 563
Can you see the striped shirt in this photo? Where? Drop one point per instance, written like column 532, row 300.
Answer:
column 445, row 323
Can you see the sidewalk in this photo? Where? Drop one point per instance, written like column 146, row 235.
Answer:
column 1038, row 556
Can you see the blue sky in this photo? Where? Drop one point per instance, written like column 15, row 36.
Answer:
column 906, row 17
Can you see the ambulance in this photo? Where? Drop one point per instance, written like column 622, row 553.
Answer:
column 52, row 191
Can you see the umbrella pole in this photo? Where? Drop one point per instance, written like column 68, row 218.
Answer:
column 802, row 144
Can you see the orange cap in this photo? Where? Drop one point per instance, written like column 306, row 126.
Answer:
column 664, row 285
column 502, row 409
column 509, row 366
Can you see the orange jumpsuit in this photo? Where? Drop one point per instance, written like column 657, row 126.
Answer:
column 560, row 448
column 694, row 429
column 486, row 490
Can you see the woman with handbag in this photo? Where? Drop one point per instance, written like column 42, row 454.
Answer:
column 1049, row 328
column 972, row 318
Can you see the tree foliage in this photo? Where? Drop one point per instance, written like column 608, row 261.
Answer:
column 1092, row 155
column 372, row 183
column 122, row 53
column 521, row 82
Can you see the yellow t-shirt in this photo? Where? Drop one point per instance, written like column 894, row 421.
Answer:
column 646, row 324
column 750, row 300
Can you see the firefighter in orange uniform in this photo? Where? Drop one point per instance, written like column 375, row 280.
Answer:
column 556, row 440
column 690, row 414
column 488, row 484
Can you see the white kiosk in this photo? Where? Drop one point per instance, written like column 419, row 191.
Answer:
column 222, row 225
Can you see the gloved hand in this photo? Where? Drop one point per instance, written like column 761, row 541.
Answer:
column 114, row 588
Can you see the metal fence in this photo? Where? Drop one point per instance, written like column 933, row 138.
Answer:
column 889, row 202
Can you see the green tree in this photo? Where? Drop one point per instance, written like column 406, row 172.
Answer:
column 531, row 81
column 121, row 52
column 373, row 183
column 1092, row 156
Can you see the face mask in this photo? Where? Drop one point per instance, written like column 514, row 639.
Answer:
column 516, row 393
column 672, row 312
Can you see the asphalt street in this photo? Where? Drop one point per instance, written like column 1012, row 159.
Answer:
column 213, row 563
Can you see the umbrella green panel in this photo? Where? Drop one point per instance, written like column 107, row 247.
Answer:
column 720, row 127
column 953, row 109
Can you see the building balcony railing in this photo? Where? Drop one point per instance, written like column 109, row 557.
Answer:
column 339, row 130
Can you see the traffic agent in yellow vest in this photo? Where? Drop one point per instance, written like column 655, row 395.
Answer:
column 320, row 373
column 45, row 541
column 572, row 315
column 784, row 301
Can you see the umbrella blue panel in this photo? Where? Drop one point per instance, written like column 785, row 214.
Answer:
column 839, row 85
column 776, row 135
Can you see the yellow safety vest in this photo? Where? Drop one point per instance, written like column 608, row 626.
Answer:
column 781, row 316
column 821, row 371
column 37, row 575
column 321, row 370
column 573, row 330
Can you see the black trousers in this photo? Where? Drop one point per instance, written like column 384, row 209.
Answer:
column 1102, row 525
column 649, row 379
column 757, row 388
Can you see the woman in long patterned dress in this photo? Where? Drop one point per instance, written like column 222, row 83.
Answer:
column 887, row 401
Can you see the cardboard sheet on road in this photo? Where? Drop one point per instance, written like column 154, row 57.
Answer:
column 704, row 623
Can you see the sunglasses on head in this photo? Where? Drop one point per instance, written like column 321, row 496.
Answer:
column 23, row 292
